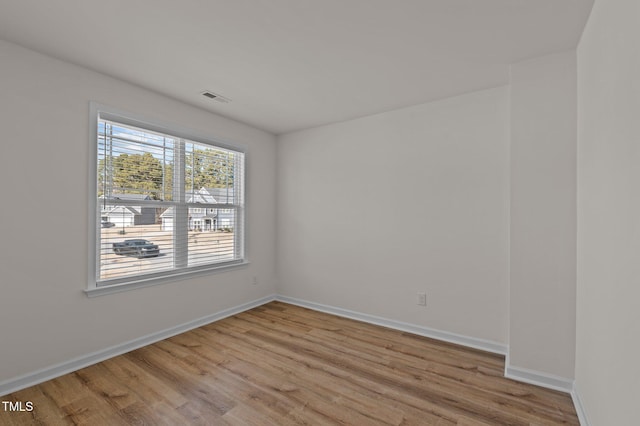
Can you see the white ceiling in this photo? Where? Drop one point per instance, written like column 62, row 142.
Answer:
column 293, row 64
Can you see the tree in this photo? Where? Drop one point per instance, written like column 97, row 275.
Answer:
column 135, row 174
column 208, row 168
column 146, row 174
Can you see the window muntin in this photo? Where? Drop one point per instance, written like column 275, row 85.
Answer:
column 185, row 198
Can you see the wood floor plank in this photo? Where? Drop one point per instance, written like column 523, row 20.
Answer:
column 254, row 369
column 335, row 378
column 281, row 364
column 432, row 388
column 304, row 370
column 49, row 414
column 499, row 386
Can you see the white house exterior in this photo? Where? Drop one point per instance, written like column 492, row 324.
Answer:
column 121, row 215
column 205, row 219
column 129, row 215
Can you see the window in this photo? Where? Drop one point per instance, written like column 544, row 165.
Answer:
column 166, row 204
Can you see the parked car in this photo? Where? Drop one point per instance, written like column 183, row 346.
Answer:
column 138, row 247
column 107, row 224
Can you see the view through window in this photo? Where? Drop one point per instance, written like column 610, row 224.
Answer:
column 165, row 204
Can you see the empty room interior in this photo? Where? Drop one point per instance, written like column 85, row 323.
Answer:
column 354, row 212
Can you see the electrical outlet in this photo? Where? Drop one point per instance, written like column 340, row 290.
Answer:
column 422, row 299
column 254, row 281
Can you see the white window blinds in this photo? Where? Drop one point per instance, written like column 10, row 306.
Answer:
column 165, row 205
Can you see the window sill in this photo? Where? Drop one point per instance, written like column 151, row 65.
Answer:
column 133, row 285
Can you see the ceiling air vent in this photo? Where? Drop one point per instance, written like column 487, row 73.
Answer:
column 214, row 96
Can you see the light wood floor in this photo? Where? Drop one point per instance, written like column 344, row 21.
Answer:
column 284, row 365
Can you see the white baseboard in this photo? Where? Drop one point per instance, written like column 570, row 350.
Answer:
column 472, row 342
column 537, row 378
column 577, row 402
column 549, row 381
column 48, row 373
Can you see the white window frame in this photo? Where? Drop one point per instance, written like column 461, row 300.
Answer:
column 97, row 112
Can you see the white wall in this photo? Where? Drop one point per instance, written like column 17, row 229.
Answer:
column 45, row 316
column 372, row 211
column 543, row 215
column 608, row 329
